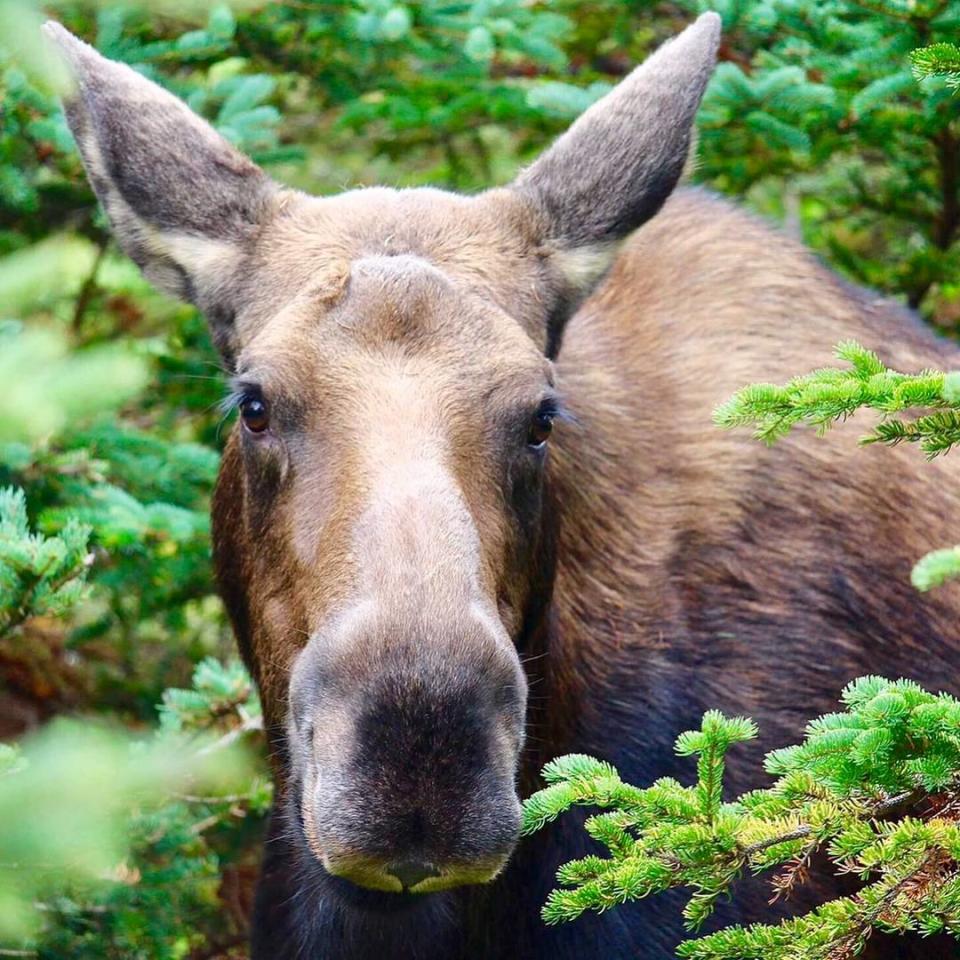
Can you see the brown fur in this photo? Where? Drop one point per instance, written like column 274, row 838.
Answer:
column 694, row 531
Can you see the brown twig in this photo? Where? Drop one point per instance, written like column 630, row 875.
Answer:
column 87, row 289
column 880, row 810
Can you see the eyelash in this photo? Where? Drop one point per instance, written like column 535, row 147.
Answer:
column 236, row 396
column 552, row 407
column 540, row 426
column 246, row 395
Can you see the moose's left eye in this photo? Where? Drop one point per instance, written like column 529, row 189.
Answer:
column 541, row 427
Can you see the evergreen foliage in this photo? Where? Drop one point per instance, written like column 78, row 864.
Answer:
column 830, row 394
column 125, row 862
column 827, row 118
column 874, row 786
column 938, row 60
column 38, row 575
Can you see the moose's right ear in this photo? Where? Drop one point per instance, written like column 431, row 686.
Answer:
column 182, row 201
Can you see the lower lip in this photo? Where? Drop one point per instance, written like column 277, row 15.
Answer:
column 374, row 901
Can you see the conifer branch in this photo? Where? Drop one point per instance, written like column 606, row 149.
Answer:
column 832, row 394
column 938, row 60
column 877, row 786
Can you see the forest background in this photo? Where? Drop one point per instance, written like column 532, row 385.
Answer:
column 110, row 427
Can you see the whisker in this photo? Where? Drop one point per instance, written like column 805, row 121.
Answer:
column 195, row 376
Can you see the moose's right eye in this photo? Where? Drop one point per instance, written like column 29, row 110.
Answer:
column 254, row 414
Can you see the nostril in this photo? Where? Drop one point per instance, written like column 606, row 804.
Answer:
column 411, row 872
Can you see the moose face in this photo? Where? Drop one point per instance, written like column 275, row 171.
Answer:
column 392, row 439
column 380, row 528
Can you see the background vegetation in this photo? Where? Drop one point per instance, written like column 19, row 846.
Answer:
column 109, row 430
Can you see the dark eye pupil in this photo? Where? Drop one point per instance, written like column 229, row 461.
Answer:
column 540, row 429
column 254, row 414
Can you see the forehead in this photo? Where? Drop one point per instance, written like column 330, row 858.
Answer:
column 485, row 246
column 377, row 281
column 396, row 320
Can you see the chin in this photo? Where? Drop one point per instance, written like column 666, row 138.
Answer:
column 370, row 924
column 349, row 896
column 325, row 891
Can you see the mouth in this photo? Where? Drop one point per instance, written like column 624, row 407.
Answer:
column 366, row 882
column 403, row 880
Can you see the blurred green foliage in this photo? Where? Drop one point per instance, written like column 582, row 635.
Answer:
column 122, row 854
column 109, row 420
column 827, row 127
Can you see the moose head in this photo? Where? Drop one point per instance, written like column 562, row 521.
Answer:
column 383, row 528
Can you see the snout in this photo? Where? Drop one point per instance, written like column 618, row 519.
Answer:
column 408, row 765
column 421, row 846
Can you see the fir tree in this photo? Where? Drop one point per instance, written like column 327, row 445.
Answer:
column 38, row 575
column 833, row 123
column 938, row 60
column 126, row 862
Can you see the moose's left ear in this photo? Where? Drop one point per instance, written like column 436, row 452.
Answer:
column 618, row 163
column 182, row 201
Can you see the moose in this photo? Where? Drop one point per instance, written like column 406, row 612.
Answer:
column 473, row 513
